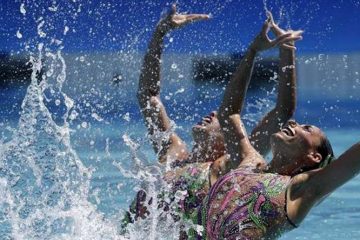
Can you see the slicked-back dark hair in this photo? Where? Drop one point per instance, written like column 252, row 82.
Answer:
column 326, row 151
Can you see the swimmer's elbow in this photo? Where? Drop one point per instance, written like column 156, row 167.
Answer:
column 227, row 120
column 142, row 94
column 225, row 114
column 146, row 98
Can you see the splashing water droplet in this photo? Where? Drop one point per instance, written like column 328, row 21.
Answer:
column 22, row 9
column 126, row 117
column 66, row 29
column 53, row 8
column 73, row 115
column 174, row 66
column 40, row 32
column 18, row 34
column 84, row 124
column 181, row 90
column 97, row 117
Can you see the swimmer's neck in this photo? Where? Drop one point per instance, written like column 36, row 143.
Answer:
column 282, row 166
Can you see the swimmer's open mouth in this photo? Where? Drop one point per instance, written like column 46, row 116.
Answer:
column 288, row 131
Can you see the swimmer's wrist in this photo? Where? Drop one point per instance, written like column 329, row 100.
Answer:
column 161, row 31
column 286, row 49
column 253, row 50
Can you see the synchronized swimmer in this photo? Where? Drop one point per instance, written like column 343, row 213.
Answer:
column 231, row 191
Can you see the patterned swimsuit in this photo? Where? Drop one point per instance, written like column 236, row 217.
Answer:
column 188, row 186
column 244, row 204
column 192, row 182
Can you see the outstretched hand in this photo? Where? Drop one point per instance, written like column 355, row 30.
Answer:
column 279, row 31
column 175, row 20
column 263, row 42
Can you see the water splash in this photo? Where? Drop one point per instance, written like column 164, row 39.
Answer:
column 44, row 184
column 159, row 223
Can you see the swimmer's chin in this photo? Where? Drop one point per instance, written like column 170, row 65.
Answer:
column 279, row 135
column 198, row 130
column 275, row 137
column 278, row 139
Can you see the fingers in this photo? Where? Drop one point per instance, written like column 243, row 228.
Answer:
column 288, row 38
column 297, row 33
column 280, row 39
column 276, row 29
column 196, row 17
column 189, row 17
column 270, row 17
column 287, row 46
column 266, row 27
column 173, row 9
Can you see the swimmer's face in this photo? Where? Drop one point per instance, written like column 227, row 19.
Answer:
column 207, row 132
column 296, row 141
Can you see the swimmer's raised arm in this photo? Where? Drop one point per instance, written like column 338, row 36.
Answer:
column 237, row 142
column 164, row 141
column 286, row 99
column 311, row 187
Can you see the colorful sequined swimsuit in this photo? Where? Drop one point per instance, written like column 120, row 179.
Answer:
column 188, row 186
column 244, row 204
column 192, row 182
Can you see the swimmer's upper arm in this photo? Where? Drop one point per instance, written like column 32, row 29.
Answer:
column 314, row 186
column 237, row 143
column 165, row 141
